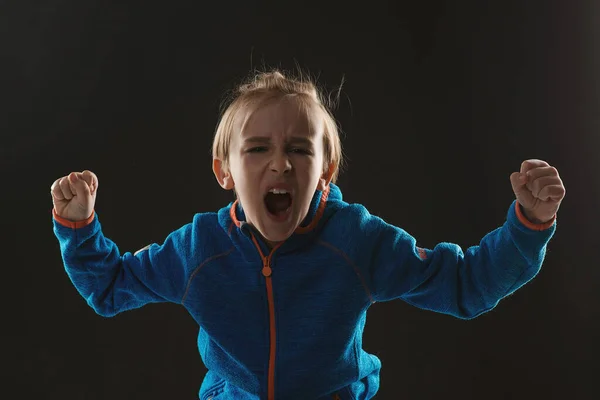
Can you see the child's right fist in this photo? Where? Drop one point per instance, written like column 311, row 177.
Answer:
column 74, row 195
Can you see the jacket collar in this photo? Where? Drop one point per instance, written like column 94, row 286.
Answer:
column 233, row 220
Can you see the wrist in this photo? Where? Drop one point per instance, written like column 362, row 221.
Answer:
column 528, row 221
column 530, row 217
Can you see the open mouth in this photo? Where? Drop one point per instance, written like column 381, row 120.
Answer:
column 278, row 203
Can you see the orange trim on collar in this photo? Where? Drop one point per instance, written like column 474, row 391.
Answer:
column 232, row 213
column 300, row 229
column 318, row 214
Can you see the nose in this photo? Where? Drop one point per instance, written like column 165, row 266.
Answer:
column 280, row 163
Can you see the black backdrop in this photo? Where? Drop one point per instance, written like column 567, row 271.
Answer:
column 442, row 101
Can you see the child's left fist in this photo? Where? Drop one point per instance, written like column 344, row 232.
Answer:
column 539, row 190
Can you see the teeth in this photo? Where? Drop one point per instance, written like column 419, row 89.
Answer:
column 278, row 191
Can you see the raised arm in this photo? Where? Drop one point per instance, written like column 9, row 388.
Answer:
column 112, row 282
column 468, row 283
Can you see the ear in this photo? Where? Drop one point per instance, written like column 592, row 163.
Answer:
column 222, row 174
column 326, row 177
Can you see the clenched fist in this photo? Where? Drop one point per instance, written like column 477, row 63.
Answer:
column 538, row 189
column 74, row 195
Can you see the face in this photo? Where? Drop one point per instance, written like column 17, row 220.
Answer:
column 275, row 165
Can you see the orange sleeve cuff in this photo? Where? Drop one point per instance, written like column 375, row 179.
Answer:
column 73, row 224
column 531, row 225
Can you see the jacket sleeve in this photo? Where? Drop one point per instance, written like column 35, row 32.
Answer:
column 111, row 282
column 448, row 280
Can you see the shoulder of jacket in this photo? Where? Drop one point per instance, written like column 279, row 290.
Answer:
column 206, row 218
column 354, row 212
column 208, row 232
column 354, row 219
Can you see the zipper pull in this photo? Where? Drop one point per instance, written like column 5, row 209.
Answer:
column 266, row 271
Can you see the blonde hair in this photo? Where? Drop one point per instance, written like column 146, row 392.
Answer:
column 265, row 87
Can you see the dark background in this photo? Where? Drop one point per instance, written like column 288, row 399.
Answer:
column 442, row 101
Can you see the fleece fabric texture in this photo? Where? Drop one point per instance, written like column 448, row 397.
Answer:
column 323, row 280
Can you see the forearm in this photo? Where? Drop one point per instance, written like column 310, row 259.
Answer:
column 463, row 284
column 505, row 260
column 108, row 281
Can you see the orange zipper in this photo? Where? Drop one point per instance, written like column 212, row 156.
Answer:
column 267, row 271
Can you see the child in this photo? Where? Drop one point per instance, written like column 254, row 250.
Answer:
column 280, row 280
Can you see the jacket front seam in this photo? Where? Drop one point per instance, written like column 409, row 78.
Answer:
column 187, row 288
column 353, row 265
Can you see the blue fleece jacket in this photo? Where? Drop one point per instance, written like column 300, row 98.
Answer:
column 287, row 323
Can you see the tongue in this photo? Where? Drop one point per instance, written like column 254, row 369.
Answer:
column 278, row 203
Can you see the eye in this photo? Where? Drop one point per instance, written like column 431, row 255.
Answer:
column 299, row 150
column 259, row 149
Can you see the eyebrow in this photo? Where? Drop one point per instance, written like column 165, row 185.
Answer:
column 266, row 139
